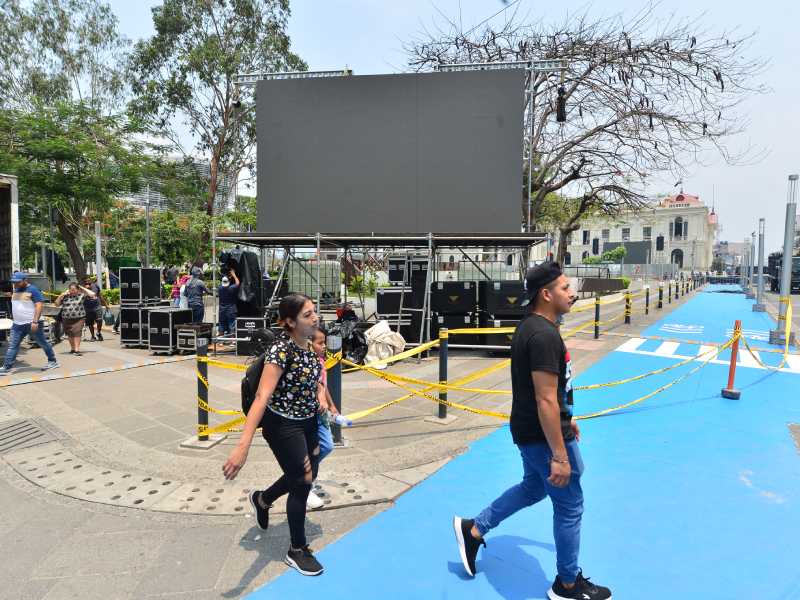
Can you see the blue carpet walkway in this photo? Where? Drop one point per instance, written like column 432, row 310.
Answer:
column 688, row 495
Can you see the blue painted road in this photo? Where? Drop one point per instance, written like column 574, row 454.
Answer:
column 688, row 495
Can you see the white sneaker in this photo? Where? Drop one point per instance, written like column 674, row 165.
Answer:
column 314, row 501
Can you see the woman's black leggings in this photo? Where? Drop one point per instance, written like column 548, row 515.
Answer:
column 296, row 448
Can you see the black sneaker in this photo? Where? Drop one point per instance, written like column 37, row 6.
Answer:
column 303, row 560
column 261, row 514
column 582, row 590
column 467, row 545
column 100, row 337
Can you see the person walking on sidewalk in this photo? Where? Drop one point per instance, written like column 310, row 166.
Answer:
column 287, row 401
column 546, row 435
column 26, row 310
column 94, row 309
column 73, row 314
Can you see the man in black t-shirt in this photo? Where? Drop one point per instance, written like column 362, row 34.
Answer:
column 547, row 436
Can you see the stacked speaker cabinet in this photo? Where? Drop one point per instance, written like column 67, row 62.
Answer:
column 192, row 335
column 163, row 328
column 245, row 326
column 139, row 286
column 500, row 305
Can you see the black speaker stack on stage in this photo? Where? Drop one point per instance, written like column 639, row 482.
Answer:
column 139, row 294
column 454, row 305
column 500, row 306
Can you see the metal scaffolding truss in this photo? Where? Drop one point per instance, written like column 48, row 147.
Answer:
column 424, row 245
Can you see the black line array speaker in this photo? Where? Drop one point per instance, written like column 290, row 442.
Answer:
column 451, row 321
column 497, row 339
column 501, row 298
column 454, row 297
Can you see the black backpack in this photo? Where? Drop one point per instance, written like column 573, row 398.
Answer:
column 262, row 339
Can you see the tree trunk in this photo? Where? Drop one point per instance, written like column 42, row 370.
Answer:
column 563, row 236
column 213, row 184
column 70, row 238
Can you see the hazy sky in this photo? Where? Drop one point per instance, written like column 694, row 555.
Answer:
column 367, row 36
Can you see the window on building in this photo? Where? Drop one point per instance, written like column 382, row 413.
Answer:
column 678, row 228
column 606, row 234
column 685, row 228
column 586, row 234
column 567, row 258
column 626, row 234
column 647, row 233
column 510, row 260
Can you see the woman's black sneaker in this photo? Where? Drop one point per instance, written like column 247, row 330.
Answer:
column 303, row 560
column 467, row 545
column 261, row 514
column 582, row 590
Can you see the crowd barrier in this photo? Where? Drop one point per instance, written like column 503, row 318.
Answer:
column 638, row 303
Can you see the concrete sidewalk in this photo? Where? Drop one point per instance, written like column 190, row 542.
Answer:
column 68, row 536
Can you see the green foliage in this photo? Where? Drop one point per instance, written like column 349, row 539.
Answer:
column 188, row 68
column 73, row 159
column 626, row 281
column 614, row 255
column 55, row 51
column 592, row 260
column 243, row 215
column 111, row 296
column 361, row 287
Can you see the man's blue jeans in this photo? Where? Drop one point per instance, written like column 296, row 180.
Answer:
column 198, row 312
column 567, row 503
column 18, row 333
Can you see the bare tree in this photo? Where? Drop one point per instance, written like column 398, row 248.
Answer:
column 643, row 95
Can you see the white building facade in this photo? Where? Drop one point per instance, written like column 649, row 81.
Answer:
column 678, row 229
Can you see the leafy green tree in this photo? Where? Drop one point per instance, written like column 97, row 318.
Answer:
column 60, row 51
column 74, row 159
column 243, row 215
column 186, row 72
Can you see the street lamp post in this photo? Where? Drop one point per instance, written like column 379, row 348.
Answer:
column 759, row 305
column 778, row 335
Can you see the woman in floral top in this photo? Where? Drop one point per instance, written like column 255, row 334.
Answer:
column 73, row 314
column 287, row 400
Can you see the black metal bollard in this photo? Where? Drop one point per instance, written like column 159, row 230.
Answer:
column 677, row 289
column 334, row 346
column 628, row 308
column 443, row 337
column 202, row 391
column 647, row 301
column 669, row 292
column 660, row 296
column 596, row 317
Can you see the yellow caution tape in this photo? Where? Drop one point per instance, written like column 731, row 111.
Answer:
column 481, row 330
column 207, row 407
column 202, row 379
column 402, row 355
column 223, row 428
column 462, row 381
column 657, row 390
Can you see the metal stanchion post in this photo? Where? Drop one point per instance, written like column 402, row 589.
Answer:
column 677, row 289
column 669, row 292
column 443, row 337
column 202, row 390
column 627, row 308
column 730, row 392
column 660, row 296
column 596, row 317
column 647, row 300
column 334, row 345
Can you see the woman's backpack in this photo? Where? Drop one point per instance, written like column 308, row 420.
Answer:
column 262, row 340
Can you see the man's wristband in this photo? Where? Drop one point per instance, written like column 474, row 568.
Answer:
column 564, row 461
